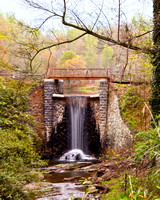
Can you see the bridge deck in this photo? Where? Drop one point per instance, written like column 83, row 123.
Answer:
column 80, row 73
column 91, row 74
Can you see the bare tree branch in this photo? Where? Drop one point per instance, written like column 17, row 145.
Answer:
column 124, row 68
column 98, row 15
column 48, row 64
column 53, row 45
column 40, row 7
column 45, row 21
column 90, row 32
column 37, row 68
column 82, row 27
column 105, row 18
column 79, row 20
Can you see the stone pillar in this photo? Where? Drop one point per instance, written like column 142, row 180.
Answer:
column 103, row 105
column 50, row 87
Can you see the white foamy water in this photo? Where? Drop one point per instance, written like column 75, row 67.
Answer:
column 76, row 155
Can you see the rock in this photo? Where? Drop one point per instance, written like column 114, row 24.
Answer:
column 82, row 179
column 31, row 186
column 91, row 168
column 87, row 182
column 101, row 172
column 99, row 187
column 99, row 179
column 102, row 189
column 78, row 183
column 92, row 190
column 110, row 165
column 36, row 186
column 71, row 178
column 107, row 176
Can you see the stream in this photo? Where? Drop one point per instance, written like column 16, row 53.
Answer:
column 65, row 181
column 69, row 178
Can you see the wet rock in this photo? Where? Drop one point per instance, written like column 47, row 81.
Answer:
column 71, row 178
column 101, row 172
column 102, row 189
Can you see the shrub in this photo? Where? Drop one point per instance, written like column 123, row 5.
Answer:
column 17, row 150
column 131, row 104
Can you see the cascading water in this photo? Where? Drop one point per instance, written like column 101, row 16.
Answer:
column 77, row 113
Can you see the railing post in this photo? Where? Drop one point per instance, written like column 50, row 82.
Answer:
column 67, row 73
column 106, row 73
column 53, row 72
column 87, row 73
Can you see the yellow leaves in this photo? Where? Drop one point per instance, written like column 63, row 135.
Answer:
column 2, row 36
column 77, row 62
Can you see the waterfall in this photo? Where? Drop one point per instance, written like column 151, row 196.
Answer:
column 77, row 112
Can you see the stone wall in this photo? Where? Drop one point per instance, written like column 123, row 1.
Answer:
column 103, row 109
column 60, row 139
column 94, row 104
column 117, row 133
column 91, row 127
column 50, row 87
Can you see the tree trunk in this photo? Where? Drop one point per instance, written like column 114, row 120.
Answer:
column 155, row 99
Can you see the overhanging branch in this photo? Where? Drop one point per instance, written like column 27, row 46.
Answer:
column 108, row 39
column 53, row 45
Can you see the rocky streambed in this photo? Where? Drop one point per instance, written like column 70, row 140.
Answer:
column 81, row 180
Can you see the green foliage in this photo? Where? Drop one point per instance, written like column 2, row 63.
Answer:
column 115, row 186
column 141, row 188
column 13, row 105
column 68, row 55
column 131, row 104
column 141, row 26
column 148, row 146
column 107, row 56
column 17, row 148
column 147, row 150
column 90, row 50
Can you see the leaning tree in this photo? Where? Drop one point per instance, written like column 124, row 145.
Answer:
column 93, row 18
